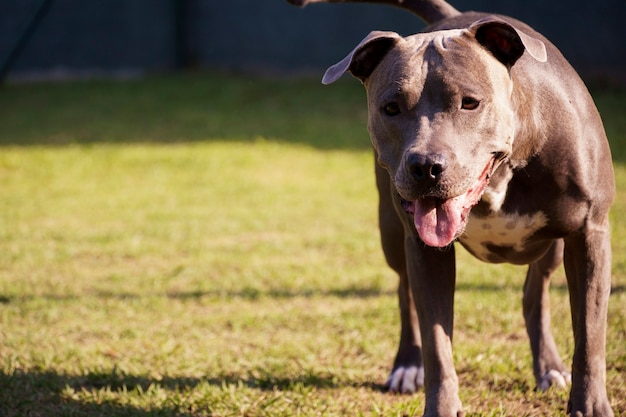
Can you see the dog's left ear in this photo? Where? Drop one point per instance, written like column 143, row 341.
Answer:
column 506, row 42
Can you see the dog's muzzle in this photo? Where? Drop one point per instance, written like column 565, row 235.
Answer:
column 440, row 221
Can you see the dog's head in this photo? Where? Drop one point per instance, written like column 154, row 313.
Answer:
column 441, row 116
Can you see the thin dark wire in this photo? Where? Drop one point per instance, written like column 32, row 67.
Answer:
column 20, row 45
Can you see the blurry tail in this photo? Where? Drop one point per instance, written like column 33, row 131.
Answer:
column 430, row 11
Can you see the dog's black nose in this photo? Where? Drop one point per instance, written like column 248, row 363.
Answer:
column 426, row 168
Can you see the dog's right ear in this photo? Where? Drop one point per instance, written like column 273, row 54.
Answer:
column 363, row 59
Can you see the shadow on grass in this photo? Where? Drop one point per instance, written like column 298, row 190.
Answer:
column 206, row 107
column 183, row 109
column 48, row 393
column 42, row 393
column 485, row 288
column 252, row 294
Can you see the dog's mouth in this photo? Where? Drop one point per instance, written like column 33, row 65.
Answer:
column 440, row 221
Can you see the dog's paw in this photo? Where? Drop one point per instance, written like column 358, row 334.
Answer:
column 554, row 378
column 405, row 380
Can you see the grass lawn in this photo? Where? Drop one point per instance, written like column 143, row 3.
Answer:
column 207, row 245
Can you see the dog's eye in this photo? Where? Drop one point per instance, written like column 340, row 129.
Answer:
column 469, row 103
column 391, row 109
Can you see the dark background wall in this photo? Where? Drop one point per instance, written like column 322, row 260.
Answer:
column 77, row 37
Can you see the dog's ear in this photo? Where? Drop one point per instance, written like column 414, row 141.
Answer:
column 506, row 42
column 364, row 58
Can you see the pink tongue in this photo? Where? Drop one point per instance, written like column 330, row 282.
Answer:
column 438, row 222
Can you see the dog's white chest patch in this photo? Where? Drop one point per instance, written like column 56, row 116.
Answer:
column 504, row 230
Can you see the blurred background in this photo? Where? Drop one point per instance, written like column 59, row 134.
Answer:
column 47, row 39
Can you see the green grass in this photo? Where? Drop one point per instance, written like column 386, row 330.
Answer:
column 208, row 246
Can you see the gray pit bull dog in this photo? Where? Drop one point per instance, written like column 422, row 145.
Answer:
column 486, row 136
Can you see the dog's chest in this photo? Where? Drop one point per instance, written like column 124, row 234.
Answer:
column 500, row 230
column 490, row 231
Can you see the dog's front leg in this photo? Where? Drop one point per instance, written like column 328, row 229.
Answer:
column 432, row 277
column 588, row 269
column 407, row 374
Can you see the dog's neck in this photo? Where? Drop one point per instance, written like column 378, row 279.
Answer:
column 529, row 137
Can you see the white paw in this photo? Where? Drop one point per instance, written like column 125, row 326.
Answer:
column 406, row 380
column 554, row 378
